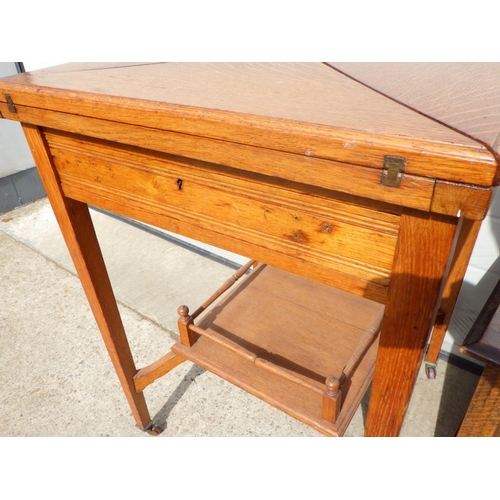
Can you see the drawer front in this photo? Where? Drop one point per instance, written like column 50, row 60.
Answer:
column 334, row 242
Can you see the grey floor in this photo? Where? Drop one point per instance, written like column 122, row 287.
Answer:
column 57, row 380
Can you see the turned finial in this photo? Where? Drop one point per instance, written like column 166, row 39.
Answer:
column 331, row 400
column 332, row 386
column 183, row 311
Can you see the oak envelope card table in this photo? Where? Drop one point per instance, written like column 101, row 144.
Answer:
column 356, row 190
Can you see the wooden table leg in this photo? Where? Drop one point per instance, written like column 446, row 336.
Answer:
column 463, row 252
column 422, row 259
column 78, row 231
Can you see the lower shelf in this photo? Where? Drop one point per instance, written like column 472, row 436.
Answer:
column 302, row 326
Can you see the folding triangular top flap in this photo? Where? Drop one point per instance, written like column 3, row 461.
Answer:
column 308, row 109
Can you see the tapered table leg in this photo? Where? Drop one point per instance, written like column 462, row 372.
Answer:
column 422, row 260
column 465, row 246
column 78, row 231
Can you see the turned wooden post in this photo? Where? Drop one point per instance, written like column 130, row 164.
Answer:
column 332, row 398
column 188, row 337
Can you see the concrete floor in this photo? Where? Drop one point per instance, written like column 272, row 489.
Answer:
column 57, row 380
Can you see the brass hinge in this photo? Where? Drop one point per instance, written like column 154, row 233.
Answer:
column 10, row 103
column 393, row 171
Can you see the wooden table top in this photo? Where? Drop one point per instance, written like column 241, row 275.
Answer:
column 463, row 96
column 443, row 118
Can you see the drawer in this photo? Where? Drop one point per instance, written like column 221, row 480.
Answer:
column 281, row 224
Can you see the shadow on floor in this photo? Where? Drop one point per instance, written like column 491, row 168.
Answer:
column 447, row 402
column 458, row 387
column 161, row 417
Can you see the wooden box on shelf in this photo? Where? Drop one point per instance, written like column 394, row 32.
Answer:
column 304, row 347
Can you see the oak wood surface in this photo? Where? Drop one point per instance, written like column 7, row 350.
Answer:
column 332, row 398
column 77, row 229
column 464, row 96
column 290, row 92
column 460, row 200
column 412, row 301
column 337, row 236
column 482, row 418
column 280, row 336
column 465, row 245
column 90, row 66
column 294, row 399
column 483, row 343
column 344, row 281
column 308, row 109
column 414, row 192
column 288, row 158
column 261, row 313
column 154, row 160
column 148, row 374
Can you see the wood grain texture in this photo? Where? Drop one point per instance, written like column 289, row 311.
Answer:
column 90, row 66
column 414, row 192
column 228, row 344
column 317, row 237
column 414, row 292
column 293, row 399
column 77, row 229
column 333, row 235
column 184, row 322
column 483, row 414
column 305, row 92
column 483, row 343
column 279, row 337
column 461, row 200
column 464, row 96
column 465, row 245
column 262, row 311
column 332, row 398
column 332, row 277
column 307, row 109
column 282, row 163
column 148, row 374
column 224, row 287
column 154, row 157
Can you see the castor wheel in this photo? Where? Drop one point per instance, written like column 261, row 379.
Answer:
column 154, row 430
column 430, row 371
